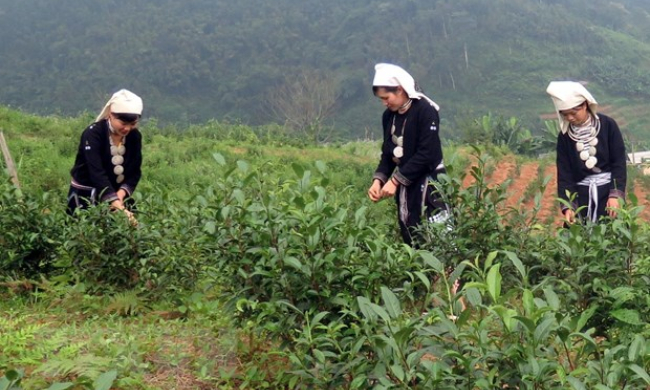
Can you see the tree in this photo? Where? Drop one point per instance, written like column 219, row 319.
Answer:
column 305, row 103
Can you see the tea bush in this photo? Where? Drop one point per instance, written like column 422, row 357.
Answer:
column 352, row 310
column 313, row 271
column 31, row 230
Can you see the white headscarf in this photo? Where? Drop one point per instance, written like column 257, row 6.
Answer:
column 569, row 94
column 122, row 102
column 389, row 75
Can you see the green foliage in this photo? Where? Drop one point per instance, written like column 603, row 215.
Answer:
column 13, row 378
column 31, row 231
column 314, row 278
column 499, row 131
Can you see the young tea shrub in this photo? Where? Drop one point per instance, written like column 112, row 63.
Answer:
column 31, row 229
column 100, row 248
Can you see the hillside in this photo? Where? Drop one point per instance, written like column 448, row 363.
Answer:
column 203, row 59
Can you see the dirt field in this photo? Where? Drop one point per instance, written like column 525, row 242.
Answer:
column 520, row 190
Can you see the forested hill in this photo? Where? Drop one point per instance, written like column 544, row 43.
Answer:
column 193, row 60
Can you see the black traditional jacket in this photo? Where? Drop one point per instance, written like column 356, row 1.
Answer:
column 610, row 152
column 93, row 166
column 420, row 129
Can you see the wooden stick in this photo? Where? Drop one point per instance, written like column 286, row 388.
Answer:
column 11, row 167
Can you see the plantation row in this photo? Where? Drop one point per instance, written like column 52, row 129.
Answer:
column 248, row 227
column 307, row 268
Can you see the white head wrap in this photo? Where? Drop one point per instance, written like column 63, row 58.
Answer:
column 567, row 95
column 389, row 75
column 122, row 102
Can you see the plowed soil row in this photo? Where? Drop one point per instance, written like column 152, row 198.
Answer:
column 520, row 194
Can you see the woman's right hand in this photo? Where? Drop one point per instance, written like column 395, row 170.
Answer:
column 119, row 205
column 374, row 193
column 569, row 216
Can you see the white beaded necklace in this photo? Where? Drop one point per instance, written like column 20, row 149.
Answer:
column 117, row 153
column 585, row 138
column 398, row 140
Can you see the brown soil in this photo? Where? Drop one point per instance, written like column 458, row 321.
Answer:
column 519, row 196
column 642, row 197
column 550, row 210
column 517, row 189
column 504, row 171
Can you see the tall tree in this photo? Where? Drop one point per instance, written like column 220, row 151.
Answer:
column 305, row 103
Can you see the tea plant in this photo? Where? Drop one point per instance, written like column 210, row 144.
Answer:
column 31, row 229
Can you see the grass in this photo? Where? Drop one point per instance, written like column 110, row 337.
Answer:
column 75, row 335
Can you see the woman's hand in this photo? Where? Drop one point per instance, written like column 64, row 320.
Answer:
column 374, row 192
column 389, row 189
column 131, row 217
column 119, row 205
column 569, row 216
column 612, row 205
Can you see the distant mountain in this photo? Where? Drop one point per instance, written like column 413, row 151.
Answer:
column 193, row 60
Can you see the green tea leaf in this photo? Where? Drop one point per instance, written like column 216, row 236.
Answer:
column 636, row 348
column 210, row 227
column 321, row 166
column 576, row 383
column 432, row 261
column 219, row 158
column 489, row 260
column 292, row 262
column 473, row 296
column 318, row 317
column 242, row 166
column 517, row 263
column 298, row 169
column 543, row 329
column 398, row 371
column 527, row 322
column 585, row 316
column 528, row 301
column 494, row 282
column 105, row 381
column 364, row 306
column 552, row 298
column 424, row 279
column 391, row 302
column 641, row 373
column 628, row 316
column 319, row 355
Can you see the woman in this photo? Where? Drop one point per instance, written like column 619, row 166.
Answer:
column 411, row 154
column 591, row 160
column 107, row 166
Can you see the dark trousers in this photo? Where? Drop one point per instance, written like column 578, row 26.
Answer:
column 423, row 202
column 82, row 199
column 583, row 201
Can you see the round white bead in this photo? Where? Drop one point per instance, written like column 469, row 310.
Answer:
column 398, row 152
column 591, row 162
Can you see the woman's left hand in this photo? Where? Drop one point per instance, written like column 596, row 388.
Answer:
column 612, row 206
column 388, row 189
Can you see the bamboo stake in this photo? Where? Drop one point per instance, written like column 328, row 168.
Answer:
column 11, row 167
